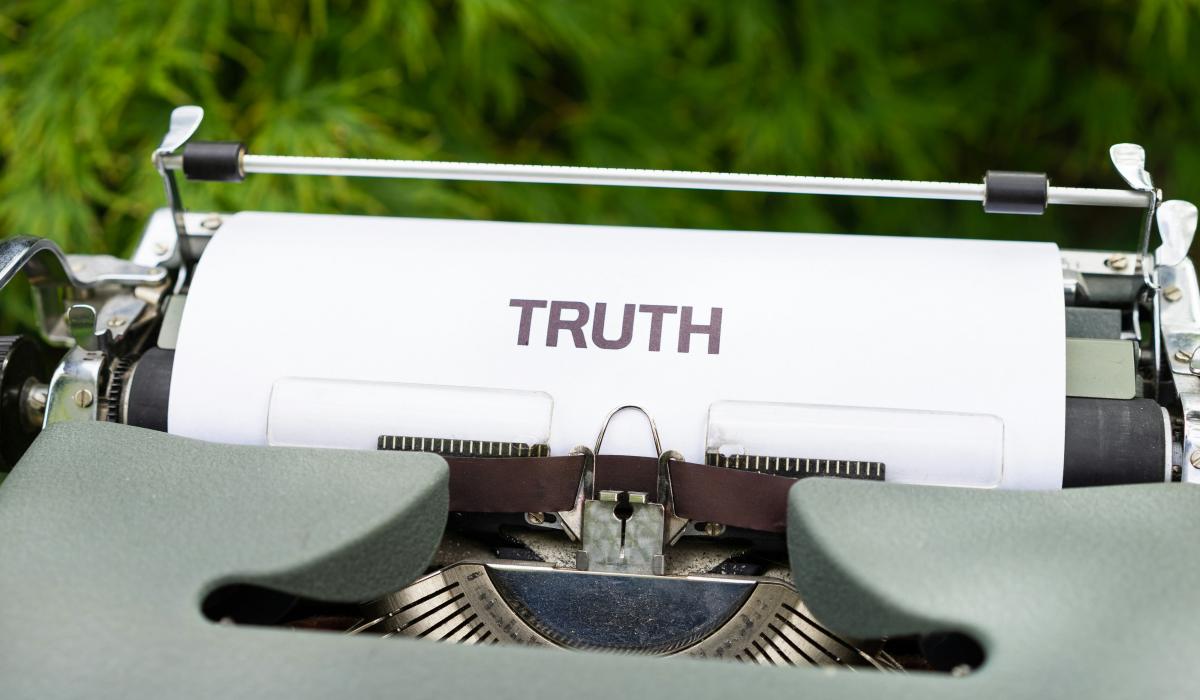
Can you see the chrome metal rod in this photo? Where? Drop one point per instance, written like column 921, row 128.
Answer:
column 1088, row 197
column 676, row 179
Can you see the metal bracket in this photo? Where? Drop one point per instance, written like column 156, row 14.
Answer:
column 184, row 123
column 1176, row 228
column 572, row 520
column 74, row 391
column 674, row 525
column 1180, row 313
column 97, row 270
column 575, row 521
column 622, row 535
column 103, row 281
column 81, row 323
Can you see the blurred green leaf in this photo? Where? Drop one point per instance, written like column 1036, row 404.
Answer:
column 872, row 88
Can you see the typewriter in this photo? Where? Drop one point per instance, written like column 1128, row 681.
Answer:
column 277, row 453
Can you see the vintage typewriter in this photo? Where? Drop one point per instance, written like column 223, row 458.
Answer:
column 242, row 458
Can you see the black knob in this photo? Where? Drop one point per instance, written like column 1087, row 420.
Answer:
column 25, row 369
column 1007, row 192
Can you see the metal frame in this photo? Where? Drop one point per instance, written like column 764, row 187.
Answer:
column 1180, row 314
column 671, row 179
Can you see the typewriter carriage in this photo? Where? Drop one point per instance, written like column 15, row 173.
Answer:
column 107, row 313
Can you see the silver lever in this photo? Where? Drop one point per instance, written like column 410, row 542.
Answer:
column 1130, row 161
column 81, row 322
column 1177, row 227
column 184, row 123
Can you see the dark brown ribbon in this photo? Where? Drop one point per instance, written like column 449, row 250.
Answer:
column 547, row 484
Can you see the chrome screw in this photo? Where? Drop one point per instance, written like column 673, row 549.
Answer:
column 211, row 223
column 1194, row 458
column 1117, row 262
column 1172, row 293
column 160, row 248
column 1183, row 356
column 713, row 529
column 535, row 518
column 83, row 398
column 116, row 321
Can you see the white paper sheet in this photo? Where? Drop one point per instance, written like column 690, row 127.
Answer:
column 936, row 325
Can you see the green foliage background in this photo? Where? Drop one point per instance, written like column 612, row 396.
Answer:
column 882, row 89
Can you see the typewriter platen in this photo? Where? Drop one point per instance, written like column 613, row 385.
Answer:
column 554, row 537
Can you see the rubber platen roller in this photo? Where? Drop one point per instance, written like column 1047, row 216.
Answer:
column 1107, row 441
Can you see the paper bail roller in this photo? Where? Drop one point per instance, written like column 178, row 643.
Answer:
column 1007, row 192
